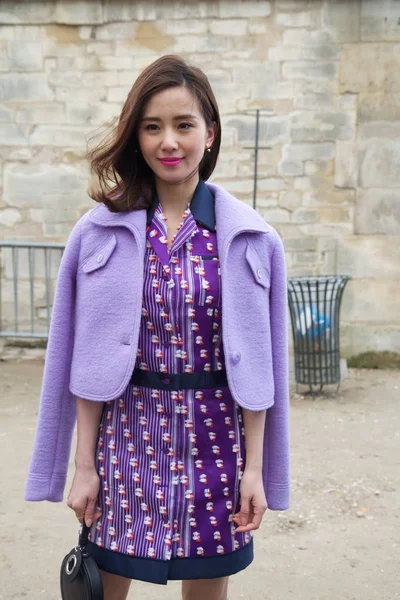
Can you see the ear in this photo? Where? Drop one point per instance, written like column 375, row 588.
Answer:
column 211, row 131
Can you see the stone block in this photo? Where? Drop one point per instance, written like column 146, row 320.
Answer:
column 380, row 21
column 7, row 33
column 290, row 168
column 360, row 337
column 118, row 31
column 293, row 19
column 369, row 256
column 244, row 8
column 378, row 106
column 346, row 167
column 290, row 200
column 71, row 12
column 26, row 12
column 378, row 211
column 309, row 70
column 20, row 87
column 9, row 217
column 65, row 214
column 239, row 186
column 306, row 37
column 229, row 27
column 300, row 244
column 272, row 130
column 331, row 196
column 43, row 186
column 183, row 27
column 249, row 71
column 259, row 27
column 307, row 126
column 63, row 136
column 193, row 43
column 116, row 63
column 272, row 90
column 25, row 56
column 275, row 215
column 20, row 154
column 118, row 93
column 271, row 184
column 4, row 60
column 13, row 135
column 289, row 53
column 348, row 101
column 336, row 214
column 318, row 167
column 39, row 113
column 81, row 94
column 305, row 258
column 125, row 10
column 327, row 229
column 356, row 74
column 364, row 298
column 60, row 34
column 103, row 48
column 227, row 166
column 342, row 19
column 6, row 114
column 305, row 215
column 380, row 164
column 315, row 101
column 174, row 9
column 301, row 152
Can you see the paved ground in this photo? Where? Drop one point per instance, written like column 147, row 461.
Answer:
column 339, row 540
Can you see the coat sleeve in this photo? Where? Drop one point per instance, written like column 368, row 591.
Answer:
column 276, row 436
column 57, row 412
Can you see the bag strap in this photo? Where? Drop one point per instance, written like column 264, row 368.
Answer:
column 84, row 535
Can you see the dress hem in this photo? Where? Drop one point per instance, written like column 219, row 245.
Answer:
column 161, row 571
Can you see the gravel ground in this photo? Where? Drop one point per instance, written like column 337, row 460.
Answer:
column 339, row 539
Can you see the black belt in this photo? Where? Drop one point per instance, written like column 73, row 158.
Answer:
column 179, row 381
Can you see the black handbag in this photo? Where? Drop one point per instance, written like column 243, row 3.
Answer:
column 79, row 575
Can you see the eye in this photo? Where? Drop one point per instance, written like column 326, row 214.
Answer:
column 151, row 127
column 185, row 125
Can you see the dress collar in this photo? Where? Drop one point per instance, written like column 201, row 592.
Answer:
column 202, row 206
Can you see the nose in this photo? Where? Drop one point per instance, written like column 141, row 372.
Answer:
column 169, row 141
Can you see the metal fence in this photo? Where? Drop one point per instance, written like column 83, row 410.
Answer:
column 28, row 271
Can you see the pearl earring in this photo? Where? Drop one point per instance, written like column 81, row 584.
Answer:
column 208, row 149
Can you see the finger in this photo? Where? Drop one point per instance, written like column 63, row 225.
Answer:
column 244, row 512
column 244, row 528
column 89, row 512
column 257, row 518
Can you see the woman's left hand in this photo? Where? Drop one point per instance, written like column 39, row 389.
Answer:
column 253, row 501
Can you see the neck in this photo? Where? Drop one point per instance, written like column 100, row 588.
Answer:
column 174, row 198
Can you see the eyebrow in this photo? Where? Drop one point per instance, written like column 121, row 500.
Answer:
column 178, row 118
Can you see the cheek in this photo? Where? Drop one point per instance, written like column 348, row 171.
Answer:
column 145, row 145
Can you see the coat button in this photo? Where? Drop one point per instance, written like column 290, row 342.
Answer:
column 259, row 274
column 236, row 356
column 100, row 258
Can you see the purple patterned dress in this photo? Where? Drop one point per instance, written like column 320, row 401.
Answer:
column 170, row 462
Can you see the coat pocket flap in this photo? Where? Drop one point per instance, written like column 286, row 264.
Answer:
column 101, row 256
column 259, row 270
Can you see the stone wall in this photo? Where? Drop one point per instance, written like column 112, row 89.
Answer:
column 325, row 74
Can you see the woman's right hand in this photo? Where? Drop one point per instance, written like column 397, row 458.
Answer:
column 83, row 494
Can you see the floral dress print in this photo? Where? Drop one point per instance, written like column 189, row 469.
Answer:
column 170, row 462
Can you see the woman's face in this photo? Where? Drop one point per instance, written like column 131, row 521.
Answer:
column 173, row 135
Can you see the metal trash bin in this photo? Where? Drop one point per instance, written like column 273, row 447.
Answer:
column 314, row 304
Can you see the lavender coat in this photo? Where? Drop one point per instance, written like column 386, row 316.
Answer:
column 94, row 332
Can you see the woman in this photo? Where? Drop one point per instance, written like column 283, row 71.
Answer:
column 168, row 342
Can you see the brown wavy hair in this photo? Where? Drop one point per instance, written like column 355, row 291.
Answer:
column 124, row 180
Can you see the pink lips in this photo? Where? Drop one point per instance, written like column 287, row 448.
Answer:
column 170, row 162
